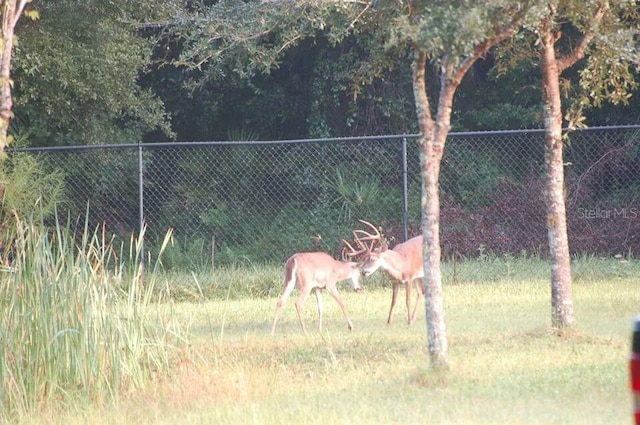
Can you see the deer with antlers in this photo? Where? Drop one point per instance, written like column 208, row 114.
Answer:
column 316, row 270
column 403, row 263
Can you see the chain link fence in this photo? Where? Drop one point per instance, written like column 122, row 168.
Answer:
column 263, row 201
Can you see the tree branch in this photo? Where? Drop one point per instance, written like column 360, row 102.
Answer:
column 568, row 60
column 425, row 119
column 18, row 12
column 359, row 15
column 482, row 48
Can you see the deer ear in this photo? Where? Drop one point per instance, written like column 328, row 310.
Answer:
column 383, row 247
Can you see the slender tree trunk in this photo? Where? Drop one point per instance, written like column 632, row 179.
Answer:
column 431, row 155
column 433, row 138
column 11, row 11
column 561, row 299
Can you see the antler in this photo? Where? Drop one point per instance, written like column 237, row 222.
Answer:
column 374, row 238
column 364, row 247
column 352, row 251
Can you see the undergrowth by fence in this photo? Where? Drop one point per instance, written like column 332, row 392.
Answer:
column 263, row 201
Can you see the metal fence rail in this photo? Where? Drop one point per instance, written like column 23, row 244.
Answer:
column 265, row 200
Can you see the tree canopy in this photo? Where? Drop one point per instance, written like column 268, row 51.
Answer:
column 77, row 72
column 106, row 72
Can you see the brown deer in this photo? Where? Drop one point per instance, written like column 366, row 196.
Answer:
column 316, row 270
column 403, row 263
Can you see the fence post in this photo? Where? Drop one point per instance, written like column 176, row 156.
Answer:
column 141, row 204
column 405, row 190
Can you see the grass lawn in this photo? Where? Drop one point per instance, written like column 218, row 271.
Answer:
column 507, row 366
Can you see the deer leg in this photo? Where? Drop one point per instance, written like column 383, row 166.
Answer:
column 299, row 303
column 419, row 295
column 393, row 300
column 336, row 296
column 275, row 319
column 289, row 284
column 408, row 302
column 318, row 292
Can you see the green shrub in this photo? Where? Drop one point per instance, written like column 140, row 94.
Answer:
column 27, row 188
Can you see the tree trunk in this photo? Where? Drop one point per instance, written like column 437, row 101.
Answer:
column 11, row 11
column 431, row 155
column 432, row 140
column 561, row 299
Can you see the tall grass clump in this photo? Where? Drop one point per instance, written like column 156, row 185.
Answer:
column 77, row 322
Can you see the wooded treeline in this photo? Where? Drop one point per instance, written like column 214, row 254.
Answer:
column 99, row 72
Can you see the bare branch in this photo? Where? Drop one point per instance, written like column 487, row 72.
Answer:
column 359, row 15
column 288, row 43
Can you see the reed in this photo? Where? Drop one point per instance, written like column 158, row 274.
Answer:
column 75, row 319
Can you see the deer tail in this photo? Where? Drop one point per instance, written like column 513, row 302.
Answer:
column 290, row 273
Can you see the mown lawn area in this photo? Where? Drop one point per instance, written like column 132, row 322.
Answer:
column 507, row 365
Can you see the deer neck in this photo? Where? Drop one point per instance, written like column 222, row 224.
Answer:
column 394, row 264
column 346, row 269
